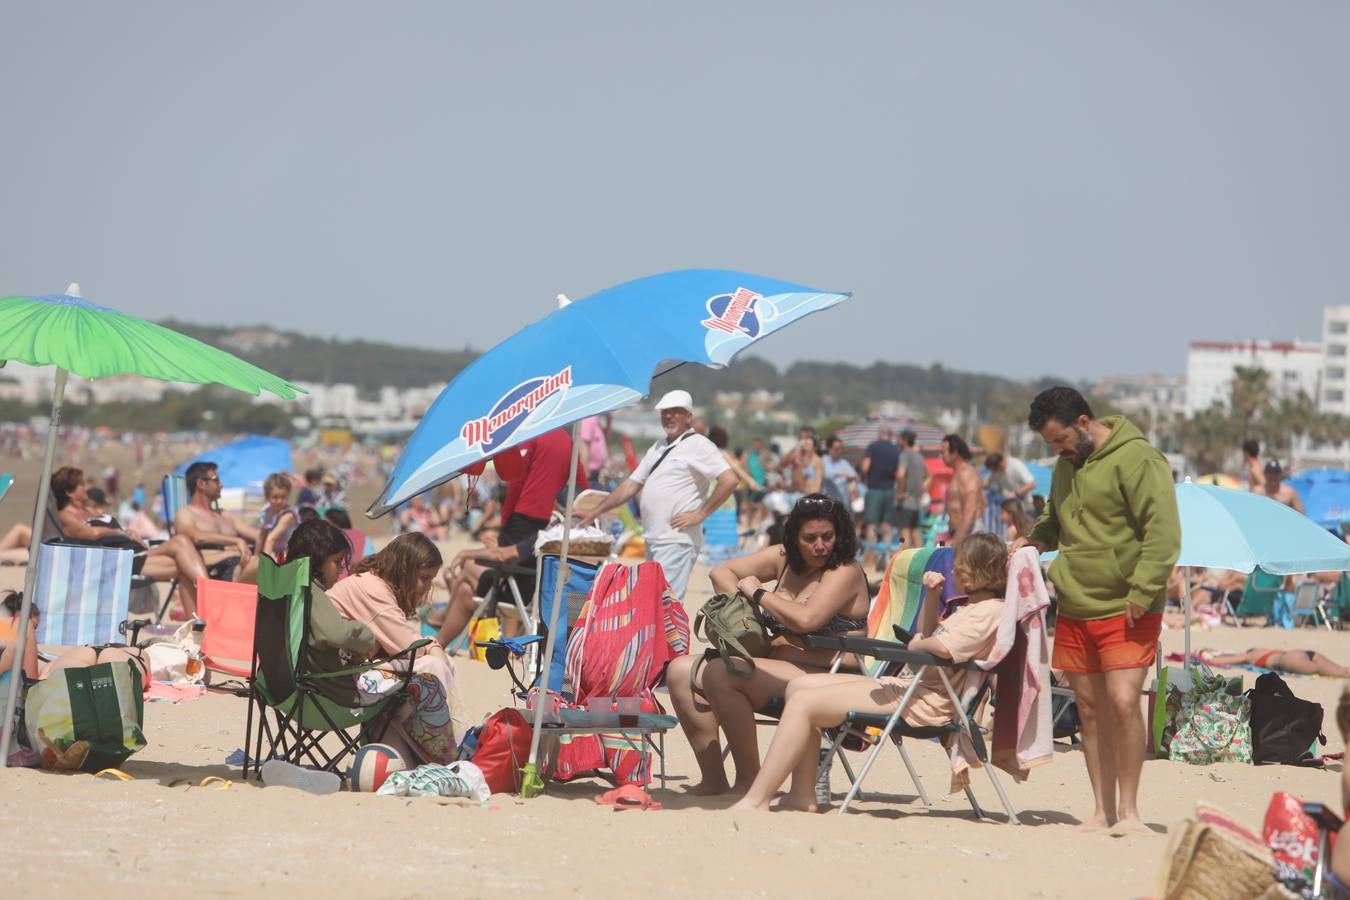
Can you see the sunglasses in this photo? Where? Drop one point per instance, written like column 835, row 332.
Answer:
column 826, row 505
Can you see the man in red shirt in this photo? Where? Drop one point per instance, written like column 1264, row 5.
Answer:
column 529, row 504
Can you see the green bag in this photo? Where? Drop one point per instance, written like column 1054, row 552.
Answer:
column 733, row 625
column 86, row 718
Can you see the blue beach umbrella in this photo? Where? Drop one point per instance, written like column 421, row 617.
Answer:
column 247, row 462
column 589, row 357
column 1325, row 494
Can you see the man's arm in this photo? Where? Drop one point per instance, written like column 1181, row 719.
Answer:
column 1297, row 501
column 620, row 495
column 726, row 483
column 185, row 523
column 1152, row 501
column 241, row 528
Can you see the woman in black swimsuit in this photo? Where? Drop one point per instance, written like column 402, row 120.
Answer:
column 819, row 588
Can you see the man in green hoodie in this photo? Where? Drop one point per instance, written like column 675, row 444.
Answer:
column 1112, row 515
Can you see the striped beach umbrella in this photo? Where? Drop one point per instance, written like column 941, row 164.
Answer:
column 858, row 435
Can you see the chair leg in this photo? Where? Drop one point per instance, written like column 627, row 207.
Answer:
column 248, row 732
column 913, row 774
column 974, row 804
column 168, row 600
column 885, row 735
column 1002, row 795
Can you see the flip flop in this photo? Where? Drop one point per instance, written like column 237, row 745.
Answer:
column 110, row 774
column 629, row 796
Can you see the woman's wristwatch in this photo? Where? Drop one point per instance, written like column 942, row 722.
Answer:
column 758, row 595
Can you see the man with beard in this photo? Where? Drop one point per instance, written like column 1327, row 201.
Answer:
column 1112, row 515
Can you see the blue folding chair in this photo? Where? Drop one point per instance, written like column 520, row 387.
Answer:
column 83, row 592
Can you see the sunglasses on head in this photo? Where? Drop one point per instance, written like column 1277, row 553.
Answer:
column 824, row 504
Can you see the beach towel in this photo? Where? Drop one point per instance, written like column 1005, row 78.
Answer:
column 1022, row 732
column 899, row 599
column 629, row 629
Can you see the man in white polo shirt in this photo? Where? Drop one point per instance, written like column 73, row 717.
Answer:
column 674, row 479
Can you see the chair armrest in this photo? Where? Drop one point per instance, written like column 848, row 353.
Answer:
column 509, row 569
column 1323, row 816
column 887, row 650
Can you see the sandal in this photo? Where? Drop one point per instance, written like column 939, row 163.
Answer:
column 629, row 796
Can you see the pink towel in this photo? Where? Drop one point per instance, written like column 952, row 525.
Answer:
column 173, row 693
column 1022, row 737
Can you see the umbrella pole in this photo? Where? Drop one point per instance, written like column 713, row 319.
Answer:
column 30, row 574
column 1186, row 601
column 531, row 784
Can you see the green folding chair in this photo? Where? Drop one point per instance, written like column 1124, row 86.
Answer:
column 1258, row 596
column 297, row 701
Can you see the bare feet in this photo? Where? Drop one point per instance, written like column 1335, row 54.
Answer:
column 708, row 789
column 1096, row 823
column 1130, row 828
column 788, row 804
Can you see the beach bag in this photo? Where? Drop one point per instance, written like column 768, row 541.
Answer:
column 1285, row 729
column 732, row 624
column 88, row 718
column 503, row 750
column 485, row 629
column 1212, row 856
column 1213, row 726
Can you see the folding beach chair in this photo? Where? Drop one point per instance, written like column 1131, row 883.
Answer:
column 509, row 584
column 281, row 683
column 1308, row 604
column 229, row 610
column 576, row 590
column 1258, row 595
column 893, row 727
column 173, row 497
column 83, row 592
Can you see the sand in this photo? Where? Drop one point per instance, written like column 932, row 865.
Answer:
column 160, row 836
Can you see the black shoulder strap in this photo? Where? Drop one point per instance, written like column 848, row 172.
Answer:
column 662, row 457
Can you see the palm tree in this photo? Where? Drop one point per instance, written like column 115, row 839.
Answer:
column 1208, row 437
column 1251, row 396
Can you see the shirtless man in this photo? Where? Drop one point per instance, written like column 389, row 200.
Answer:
column 1273, row 486
column 802, row 464
column 965, row 494
column 1251, row 464
column 203, row 524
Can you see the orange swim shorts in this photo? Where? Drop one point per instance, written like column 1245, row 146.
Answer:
column 1100, row 645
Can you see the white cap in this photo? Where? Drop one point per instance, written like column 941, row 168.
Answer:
column 676, row 400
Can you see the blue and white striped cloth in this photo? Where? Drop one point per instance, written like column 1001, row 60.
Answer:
column 83, row 594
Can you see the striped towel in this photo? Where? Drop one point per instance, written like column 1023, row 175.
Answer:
column 83, row 593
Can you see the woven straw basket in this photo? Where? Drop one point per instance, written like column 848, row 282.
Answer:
column 1208, row 863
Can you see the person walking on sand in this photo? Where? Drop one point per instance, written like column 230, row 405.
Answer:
column 1112, row 515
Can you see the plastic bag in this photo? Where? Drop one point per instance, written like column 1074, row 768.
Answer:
column 1292, row 836
column 459, row 779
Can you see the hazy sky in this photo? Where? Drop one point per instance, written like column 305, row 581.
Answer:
column 1073, row 188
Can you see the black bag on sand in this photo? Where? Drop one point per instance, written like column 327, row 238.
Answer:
column 1284, row 728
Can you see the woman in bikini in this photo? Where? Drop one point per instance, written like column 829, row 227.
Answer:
column 1299, row 662
column 819, row 588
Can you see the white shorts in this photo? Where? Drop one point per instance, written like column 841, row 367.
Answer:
column 677, row 561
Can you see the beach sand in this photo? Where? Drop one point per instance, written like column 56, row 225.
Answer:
column 160, row 836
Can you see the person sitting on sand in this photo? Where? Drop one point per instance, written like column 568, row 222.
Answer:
column 176, row 558
column 819, row 588
column 32, row 667
column 1298, row 662
column 14, row 546
column 383, row 593
column 822, row 701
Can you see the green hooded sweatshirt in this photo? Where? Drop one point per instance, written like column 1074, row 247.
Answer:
column 1115, row 525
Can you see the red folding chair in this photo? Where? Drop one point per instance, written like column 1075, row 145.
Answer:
column 228, row 609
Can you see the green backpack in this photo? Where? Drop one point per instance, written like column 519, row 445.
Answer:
column 733, row 625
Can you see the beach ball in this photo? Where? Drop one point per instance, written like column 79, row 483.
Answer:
column 371, row 765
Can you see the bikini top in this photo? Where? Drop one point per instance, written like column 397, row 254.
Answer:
column 838, row 624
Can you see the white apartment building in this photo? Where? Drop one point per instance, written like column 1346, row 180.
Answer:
column 1335, row 341
column 1294, row 366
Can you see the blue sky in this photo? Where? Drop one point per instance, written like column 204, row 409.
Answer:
column 1077, row 189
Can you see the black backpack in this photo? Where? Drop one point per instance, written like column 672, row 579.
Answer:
column 1285, row 729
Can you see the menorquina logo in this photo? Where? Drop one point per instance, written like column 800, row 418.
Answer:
column 491, row 431
column 735, row 313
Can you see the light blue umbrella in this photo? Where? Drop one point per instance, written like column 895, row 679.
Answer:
column 1325, row 494
column 589, row 357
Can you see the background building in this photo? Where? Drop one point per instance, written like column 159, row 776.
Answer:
column 1294, row 366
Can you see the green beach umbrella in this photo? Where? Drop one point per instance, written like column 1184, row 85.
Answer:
column 92, row 341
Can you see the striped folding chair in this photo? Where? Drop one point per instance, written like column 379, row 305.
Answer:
column 83, row 592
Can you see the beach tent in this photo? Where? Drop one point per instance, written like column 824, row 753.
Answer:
column 1326, row 496
column 247, row 462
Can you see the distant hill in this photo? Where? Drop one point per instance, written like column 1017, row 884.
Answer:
column 810, row 389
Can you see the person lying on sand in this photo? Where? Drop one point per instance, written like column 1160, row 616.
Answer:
column 822, row 701
column 1299, row 662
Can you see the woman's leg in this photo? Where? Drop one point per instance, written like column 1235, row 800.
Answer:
column 735, row 699
column 821, row 703
column 1327, row 666
column 699, row 724
column 14, row 546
